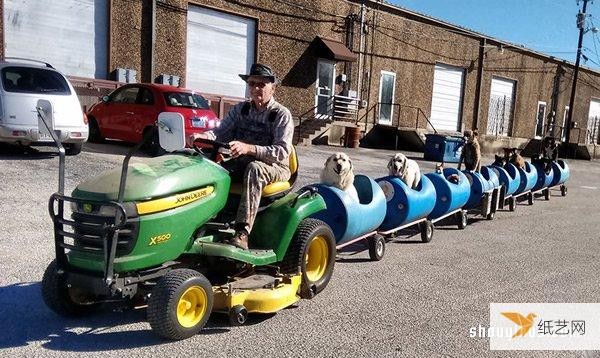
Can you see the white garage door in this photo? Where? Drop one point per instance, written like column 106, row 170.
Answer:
column 446, row 101
column 593, row 132
column 219, row 47
column 502, row 96
column 71, row 35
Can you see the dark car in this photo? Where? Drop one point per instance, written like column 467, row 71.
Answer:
column 129, row 111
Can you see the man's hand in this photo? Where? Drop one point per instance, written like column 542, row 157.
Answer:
column 192, row 137
column 241, row 148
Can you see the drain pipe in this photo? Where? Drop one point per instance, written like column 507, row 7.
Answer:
column 480, row 64
column 361, row 50
column 152, row 40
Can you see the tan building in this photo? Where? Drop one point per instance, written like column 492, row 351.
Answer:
column 392, row 71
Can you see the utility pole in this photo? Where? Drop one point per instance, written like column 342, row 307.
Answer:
column 581, row 25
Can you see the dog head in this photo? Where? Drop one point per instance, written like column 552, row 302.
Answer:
column 470, row 136
column 439, row 168
column 397, row 164
column 499, row 160
column 338, row 171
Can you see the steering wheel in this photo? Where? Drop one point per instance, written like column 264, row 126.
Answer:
column 216, row 148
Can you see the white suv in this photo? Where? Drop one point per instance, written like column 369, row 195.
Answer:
column 22, row 85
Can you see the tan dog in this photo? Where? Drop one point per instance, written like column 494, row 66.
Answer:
column 338, row 173
column 471, row 152
column 406, row 169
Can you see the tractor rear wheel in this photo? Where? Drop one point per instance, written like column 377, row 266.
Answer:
column 180, row 304
column 312, row 250
column 65, row 301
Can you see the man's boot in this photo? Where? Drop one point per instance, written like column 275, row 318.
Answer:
column 240, row 239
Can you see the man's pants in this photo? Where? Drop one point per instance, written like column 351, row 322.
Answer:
column 254, row 175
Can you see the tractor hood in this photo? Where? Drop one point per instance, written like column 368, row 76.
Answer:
column 155, row 177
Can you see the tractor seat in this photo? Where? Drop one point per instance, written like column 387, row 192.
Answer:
column 277, row 189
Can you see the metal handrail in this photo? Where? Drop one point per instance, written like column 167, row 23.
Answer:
column 311, row 111
column 399, row 106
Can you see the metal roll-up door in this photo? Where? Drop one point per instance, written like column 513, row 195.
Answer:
column 500, row 116
column 219, row 47
column 71, row 35
column 446, row 100
column 593, row 126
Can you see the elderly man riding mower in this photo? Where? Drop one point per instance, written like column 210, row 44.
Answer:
column 157, row 233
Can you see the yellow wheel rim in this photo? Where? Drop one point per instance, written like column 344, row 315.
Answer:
column 191, row 306
column 316, row 259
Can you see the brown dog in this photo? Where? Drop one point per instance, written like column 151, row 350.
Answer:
column 511, row 156
column 471, row 152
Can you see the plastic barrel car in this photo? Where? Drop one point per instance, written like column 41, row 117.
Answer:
column 453, row 190
column 561, row 174
column 543, row 179
column 407, row 206
column 352, row 220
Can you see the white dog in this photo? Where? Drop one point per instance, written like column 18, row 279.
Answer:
column 338, row 173
column 406, row 169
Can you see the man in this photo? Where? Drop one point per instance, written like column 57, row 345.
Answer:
column 259, row 133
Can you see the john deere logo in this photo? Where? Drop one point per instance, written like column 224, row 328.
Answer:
column 87, row 208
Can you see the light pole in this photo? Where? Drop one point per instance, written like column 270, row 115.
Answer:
column 581, row 25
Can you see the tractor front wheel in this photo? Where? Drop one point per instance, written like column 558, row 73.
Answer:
column 312, row 250
column 180, row 304
column 63, row 300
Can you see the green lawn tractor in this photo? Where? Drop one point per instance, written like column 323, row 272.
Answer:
column 151, row 234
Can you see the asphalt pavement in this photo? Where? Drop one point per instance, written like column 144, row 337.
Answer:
column 420, row 300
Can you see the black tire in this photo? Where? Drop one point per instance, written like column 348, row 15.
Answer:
column 512, row 203
column 376, row 247
column 563, row 190
column 547, row 194
column 64, row 301
column 94, row 135
column 426, row 228
column 179, row 287
column 73, row 148
column 296, row 256
column 238, row 315
column 530, row 198
column 461, row 217
column 152, row 146
column 490, row 215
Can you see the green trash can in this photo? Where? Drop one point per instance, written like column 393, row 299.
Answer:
column 443, row 148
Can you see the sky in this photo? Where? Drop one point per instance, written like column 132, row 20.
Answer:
column 547, row 26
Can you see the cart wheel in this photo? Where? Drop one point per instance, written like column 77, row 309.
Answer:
column 547, row 194
column 563, row 190
column 530, row 199
column 238, row 315
column 512, row 203
column 65, row 301
column 180, row 304
column 426, row 228
column 491, row 215
column 376, row 247
column 313, row 250
column 462, row 219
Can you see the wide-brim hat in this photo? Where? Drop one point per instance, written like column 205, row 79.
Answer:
column 261, row 70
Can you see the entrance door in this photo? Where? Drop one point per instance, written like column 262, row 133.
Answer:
column 325, row 87
column 539, row 122
column 387, row 86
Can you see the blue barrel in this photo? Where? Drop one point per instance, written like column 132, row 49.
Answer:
column 528, row 178
column 509, row 177
column 543, row 179
column 450, row 196
column 404, row 204
column 560, row 171
column 491, row 176
column 348, row 218
column 479, row 185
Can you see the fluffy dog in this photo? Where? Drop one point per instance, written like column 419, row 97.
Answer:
column 406, row 169
column 338, row 173
column 499, row 160
column 511, row 156
column 471, row 152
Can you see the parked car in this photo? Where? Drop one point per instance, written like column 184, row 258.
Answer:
column 129, row 111
column 23, row 83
